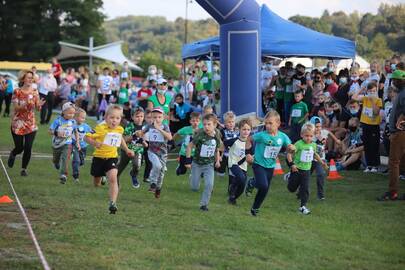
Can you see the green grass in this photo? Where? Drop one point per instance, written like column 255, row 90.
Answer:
column 349, row 230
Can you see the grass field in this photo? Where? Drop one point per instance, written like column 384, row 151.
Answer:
column 349, row 230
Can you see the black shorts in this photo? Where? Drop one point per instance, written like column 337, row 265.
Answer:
column 99, row 166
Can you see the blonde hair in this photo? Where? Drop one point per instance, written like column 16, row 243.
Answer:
column 272, row 113
column 229, row 115
column 113, row 107
column 21, row 76
column 308, row 127
column 354, row 120
column 79, row 111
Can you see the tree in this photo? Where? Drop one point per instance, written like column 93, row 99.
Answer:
column 32, row 29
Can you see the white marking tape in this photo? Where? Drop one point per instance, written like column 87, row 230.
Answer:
column 31, row 232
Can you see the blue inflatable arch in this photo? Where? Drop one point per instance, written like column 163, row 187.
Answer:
column 239, row 22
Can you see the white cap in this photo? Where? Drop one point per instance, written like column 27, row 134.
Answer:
column 67, row 105
column 161, row 81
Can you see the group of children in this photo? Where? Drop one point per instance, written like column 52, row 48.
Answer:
column 206, row 146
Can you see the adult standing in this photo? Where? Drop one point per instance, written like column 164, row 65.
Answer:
column 47, row 89
column 161, row 99
column 397, row 138
column 56, row 69
column 126, row 72
column 7, row 95
column 23, row 127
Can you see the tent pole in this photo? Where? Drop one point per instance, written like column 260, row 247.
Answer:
column 212, row 69
column 91, row 56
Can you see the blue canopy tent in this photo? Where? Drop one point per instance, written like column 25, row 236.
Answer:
column 282, row 38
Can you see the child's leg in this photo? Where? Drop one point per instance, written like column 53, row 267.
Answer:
column 136, row 164
column 294, row 181
column 65, row 158
column 82, row 155
column 162, row 172
column 97, row 181
column 156, row 167
column 239, row 181
column 181, row 169
column 113, row 184
column 195, row 176
column 57, row 152
column 304, row 187
column 75, row 162
column 123, row 162
column 320, row 179
column 221, row 170
column 208, row 171
column 148, row 165
column 263, row 178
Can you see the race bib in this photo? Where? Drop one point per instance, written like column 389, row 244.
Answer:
column 368, row 112
column 289, row 88
column 112, row 139
column 155, row 136
column 307, row 155
column 296, row 84
column 204, row 80
column 271, row 151
column 124, row 74
column 143, row 94
column 296, row 113
column 66, row 131
column 207, row 151
column 123, row 95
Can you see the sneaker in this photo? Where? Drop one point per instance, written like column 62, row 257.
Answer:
column 135, row 182
column 24, row 172
column 57, row 166
column 203, row 208
column 254, row 212
column 373, row 169
column 76, row 180
column 152, row 188
column 367, row 170
column 103, row 180
column 112, row 208
column 232, row 201
column 321, row 198
column 388, row 196
column 304, row 210
column 220, row 174
column 63, row 179
column 11, row 159
column 286, row 177
column 249, row 187
column 157, row 193
column 146, row 180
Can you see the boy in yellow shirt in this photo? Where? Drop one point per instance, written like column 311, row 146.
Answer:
column 106, row 138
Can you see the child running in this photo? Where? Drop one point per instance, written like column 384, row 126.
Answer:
column 300, row 163
column 62, row 129
column 136, row 144
column 158, row 136
column 207, row 143
column 268, row 144
column 187, row 134
column 148, row 165
column 238, row 148
column 79, row 154
column 106, row 138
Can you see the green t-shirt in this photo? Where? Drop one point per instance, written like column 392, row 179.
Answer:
column 165, row 106
column 205, row 81
column 304, row 154
column 123, row 96
column 205, row 147
column 187, row 134
column 135, row 145
column 268, row 146
column 298, row 112
column 280, row 88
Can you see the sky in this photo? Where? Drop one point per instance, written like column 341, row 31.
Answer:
column 171, row 9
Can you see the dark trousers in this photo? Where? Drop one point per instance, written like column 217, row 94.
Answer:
column 181, row 168
column 280, row 109
column 23, row 143
column 320, row 177
column 46, row 110
column 371, row 140
column 124, row 160
column 237, row 178
column 295, row 132
column 300, row 180
column 148, row 164
column 7, row 99
column 262, row 182
column 224, row 164
column 78, row 160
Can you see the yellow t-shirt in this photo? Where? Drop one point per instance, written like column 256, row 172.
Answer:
column 109, row 137
column 367, row 115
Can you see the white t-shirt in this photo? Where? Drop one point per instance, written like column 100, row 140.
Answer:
column 105, row 83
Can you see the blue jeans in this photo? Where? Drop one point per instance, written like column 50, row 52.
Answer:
column 78, row 160
column 237, row 182
column 262, row 182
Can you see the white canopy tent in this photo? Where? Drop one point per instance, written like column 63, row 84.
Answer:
column 347, row 63
column 110, row 52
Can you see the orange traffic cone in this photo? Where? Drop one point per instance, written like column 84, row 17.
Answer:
column 278, row 170
column 5, row 199
column 333, row 173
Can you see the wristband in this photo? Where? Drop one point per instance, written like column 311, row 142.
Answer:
column 290, row 164
column 188, row 161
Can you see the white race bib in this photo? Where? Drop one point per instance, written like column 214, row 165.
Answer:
column 289, row 88
column 123, row 95
column 155, row 136
column 368, row 112
column 143, row 94
column 204, row 80
column 271, row 151
column 66, row 131
column 296, row 113
column 207, row 151
column 112, row 139
column 307, row 155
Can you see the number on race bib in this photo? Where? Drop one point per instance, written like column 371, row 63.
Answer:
column 155, row 136
column 271, row 151
column 204, row 80
column 207, row 151
column 112, row 139
column 307, row 155
column 123, row 95
column 296, row 113
column 368, row 112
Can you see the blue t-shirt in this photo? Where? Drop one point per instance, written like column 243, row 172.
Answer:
column 10, row 87
column 66, row 126
column 181, row 111
column 268, row 146
column 82, row 129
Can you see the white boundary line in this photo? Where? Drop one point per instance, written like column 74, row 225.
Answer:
column 31, row 232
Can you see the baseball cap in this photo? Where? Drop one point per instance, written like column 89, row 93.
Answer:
column 158, row 109
column 67, row 105
column 161, row 81
column 398, row 74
